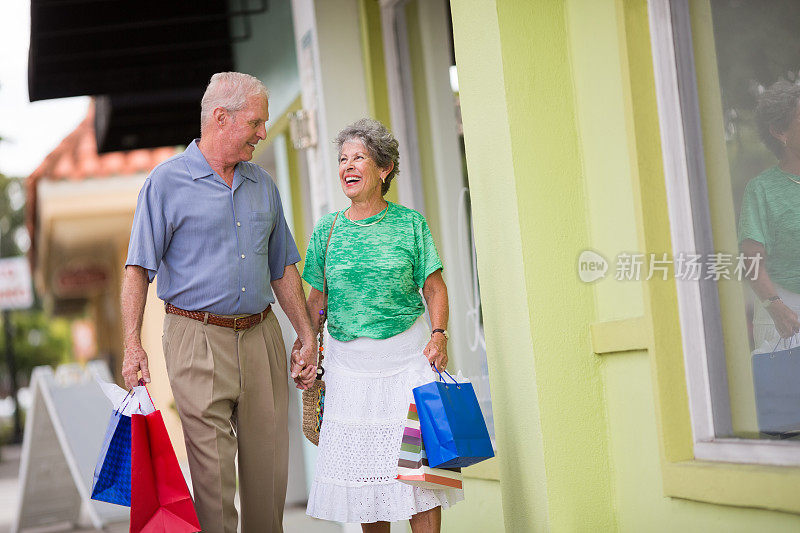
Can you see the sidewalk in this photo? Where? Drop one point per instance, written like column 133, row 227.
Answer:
column 294, row 520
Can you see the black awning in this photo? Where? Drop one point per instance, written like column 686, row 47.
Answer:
column 92, row 47
column 147, row 61
column 147, row 120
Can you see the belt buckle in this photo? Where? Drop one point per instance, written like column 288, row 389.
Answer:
column 236, row 324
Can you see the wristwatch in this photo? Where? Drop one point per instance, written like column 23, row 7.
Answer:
column 442, row 331
column 769, row 301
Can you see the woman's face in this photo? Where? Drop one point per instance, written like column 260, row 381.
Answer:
column 359, row 174
column 791, row 136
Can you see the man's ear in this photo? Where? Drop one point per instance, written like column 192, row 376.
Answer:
column 220, row 116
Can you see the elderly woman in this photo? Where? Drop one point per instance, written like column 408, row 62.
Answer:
column 379, row 345
column 769, row 224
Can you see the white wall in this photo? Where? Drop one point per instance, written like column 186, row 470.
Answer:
column 269, row 53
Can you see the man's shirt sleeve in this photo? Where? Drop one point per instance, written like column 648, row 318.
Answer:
column 149, row 234
column 282, row 250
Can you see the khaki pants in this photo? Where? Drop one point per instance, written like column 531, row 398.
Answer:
column 231, row 391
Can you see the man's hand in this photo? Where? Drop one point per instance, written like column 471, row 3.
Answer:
column 135, row 360
column 133, row 297
column 304, row 367
column 289, row 292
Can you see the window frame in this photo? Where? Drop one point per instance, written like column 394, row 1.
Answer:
column 690, row 231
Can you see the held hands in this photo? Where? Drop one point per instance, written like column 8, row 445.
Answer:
column 436, row 351
column 786, row 320
column 135, row 360
column 304, row 368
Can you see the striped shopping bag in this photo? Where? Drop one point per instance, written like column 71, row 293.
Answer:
column 412, row 466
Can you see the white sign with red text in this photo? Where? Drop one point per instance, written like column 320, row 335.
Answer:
column 15, row 283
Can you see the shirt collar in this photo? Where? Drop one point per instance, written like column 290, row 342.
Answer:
column 196, row 161
column 199, row 167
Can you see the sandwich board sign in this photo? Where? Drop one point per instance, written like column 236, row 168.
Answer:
column 64, row 432
column 15, row 283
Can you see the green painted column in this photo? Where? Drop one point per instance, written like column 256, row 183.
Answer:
column 529, row 207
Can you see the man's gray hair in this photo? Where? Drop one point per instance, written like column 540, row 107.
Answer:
column 379, row 142
column 229, row 90
column 776, row 109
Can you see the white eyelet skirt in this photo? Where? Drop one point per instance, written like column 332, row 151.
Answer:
column 368, row 385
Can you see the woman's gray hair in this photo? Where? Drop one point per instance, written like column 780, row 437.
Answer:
column 379, row 142
column 229, row 90
column 775, row 111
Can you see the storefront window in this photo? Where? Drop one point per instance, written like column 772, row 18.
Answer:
column 729, row 104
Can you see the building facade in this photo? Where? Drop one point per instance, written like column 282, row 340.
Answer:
column 566, row 153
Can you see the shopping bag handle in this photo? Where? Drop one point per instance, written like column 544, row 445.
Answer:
column 143, row 384
column 787, row 343
column 124, row 401
column 130, row 395
column 441, row 378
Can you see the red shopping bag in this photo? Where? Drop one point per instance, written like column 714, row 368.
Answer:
column 160, row 499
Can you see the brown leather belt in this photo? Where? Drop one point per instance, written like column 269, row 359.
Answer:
column 237, row 324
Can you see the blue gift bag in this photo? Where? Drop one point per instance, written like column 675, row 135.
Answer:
column 775, row 381
column 453, row 428
column 112, row 475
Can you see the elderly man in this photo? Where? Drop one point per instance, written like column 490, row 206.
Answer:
column 210, row 225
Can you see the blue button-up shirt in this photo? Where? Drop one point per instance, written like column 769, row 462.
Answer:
column 214, row 248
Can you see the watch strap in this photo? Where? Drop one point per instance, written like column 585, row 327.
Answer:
column 442, row 331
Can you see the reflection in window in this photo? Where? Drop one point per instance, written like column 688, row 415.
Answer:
column 758, row 67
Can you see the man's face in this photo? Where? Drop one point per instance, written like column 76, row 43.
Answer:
column 246, row 128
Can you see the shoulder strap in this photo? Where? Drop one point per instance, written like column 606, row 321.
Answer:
column 324, row 315
column 325, row 266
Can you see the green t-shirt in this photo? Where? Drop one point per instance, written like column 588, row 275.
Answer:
column 771, row 215
column 374, row 273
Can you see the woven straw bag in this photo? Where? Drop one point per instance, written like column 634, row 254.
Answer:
column 314, row 397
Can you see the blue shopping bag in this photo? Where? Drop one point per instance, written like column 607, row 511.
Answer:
column 453, row 428
column 112, row 475
column 775, row 378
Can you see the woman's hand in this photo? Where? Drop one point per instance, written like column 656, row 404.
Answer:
column 303, row 372
column 435, row 292
column 786, row 320
column 436, row 351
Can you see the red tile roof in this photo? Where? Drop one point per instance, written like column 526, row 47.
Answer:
column 76, row 159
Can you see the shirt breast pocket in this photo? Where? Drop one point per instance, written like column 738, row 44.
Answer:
column 261, row 223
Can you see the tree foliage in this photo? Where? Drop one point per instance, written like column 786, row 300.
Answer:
column 37, row 339
column 756, row 44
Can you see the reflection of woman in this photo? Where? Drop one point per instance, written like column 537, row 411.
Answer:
column 379, row 256
column 769, row 224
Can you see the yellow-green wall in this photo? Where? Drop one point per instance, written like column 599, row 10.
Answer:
column 563, row 152
column 529, row 208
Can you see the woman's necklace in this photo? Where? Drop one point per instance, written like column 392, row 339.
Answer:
column 386, row 210
column 789, row 174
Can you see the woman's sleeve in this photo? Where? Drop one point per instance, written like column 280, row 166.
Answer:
column 753, row 223
column 312, row 270
column 427, row 261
